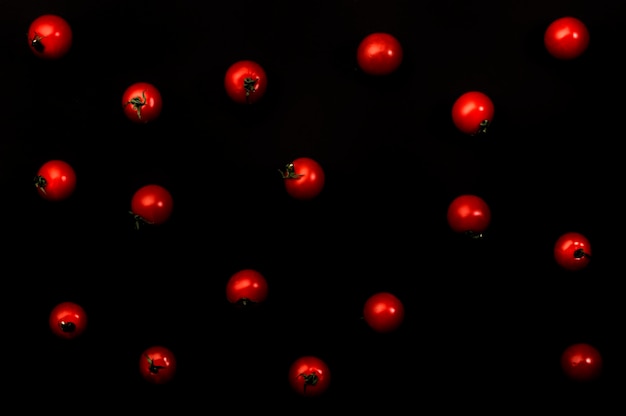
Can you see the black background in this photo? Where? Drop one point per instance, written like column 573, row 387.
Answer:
column 486, row 321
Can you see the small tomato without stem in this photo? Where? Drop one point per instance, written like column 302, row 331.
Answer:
column 67, row 320
column 246, row 287
column 151, row 204
column 142, row 102
column 582, row 362
column 469, row 214
column 566, row 38
column 309, row 376
column 472, row 113
column 383, row 312
column 55, row 180
column 572, row 251
column 379, row 54
column 304, row 178
column 157, row 364
column 50, row 36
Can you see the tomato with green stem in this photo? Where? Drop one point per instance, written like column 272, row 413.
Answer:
column 473, row 112
column 309, row 376
column 55, row 180
column 245, row 82
column 572, row 251
column 157, row 364
column 469, row 214
column 67, row 320
column 151, row 204
column 50, row 37
column 142, row 102
column 246, row 287
column 304, row 178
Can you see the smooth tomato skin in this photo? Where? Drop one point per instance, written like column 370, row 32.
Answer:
column 473, row 112
column 379, row 54
column 142, row 102
column 383, row 312
column 309, row 376
column 246, row 286
column 582, row 362
column 572, row 251
column 50, row 36
column 67, row 320
column 304, row 178
column 55, row 180
column 469, row 214
column 245, row 82
column 152, row 203
column 566, row 38
column 157, row 364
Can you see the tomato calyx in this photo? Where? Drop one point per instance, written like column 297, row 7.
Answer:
column 245, row 303
column 249, row 84
column 580, row 253
column 36, row 43
column 139, row 220
column 482, row 128
column 67, row 326
column 137, row 103
column 309, row 380
column 289, row 172
column 154, row 369
column 474, row 235
column 41, row 183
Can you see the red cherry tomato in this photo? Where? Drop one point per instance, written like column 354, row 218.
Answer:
column 566, row 38
column 581, row 362
column 572, row 251
column 246, row 287
column 472, row 113
column 245, row 82
column 309, row 376
column 469, row 214
column 304, row 178
column 379, row 54
column 68, row 320
column 151, row 204
column 142, row 102
column 55, row 180
column 50, row 36
column 157, row 364
column 383, row 312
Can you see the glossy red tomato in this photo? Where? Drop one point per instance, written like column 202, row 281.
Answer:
column 151, row 204
column 473, row 112
column 379, row 54
column 572, row 251
column 68, row 320
column 304, row 178
column 157, row 364
column 469, row 214
column 246, row 287
column 50, row 36
column 142, row 102
column 383, row 312
column 582, row 362
column 309, row 376
column 566, row 38
column 245, row 82
column 55, row 180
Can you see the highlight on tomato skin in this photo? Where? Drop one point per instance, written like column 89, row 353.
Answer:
column 50, row 37
column 572, row 251
column 383, row 312
column 473, row 113
column 151, row 204
column 469, row 214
